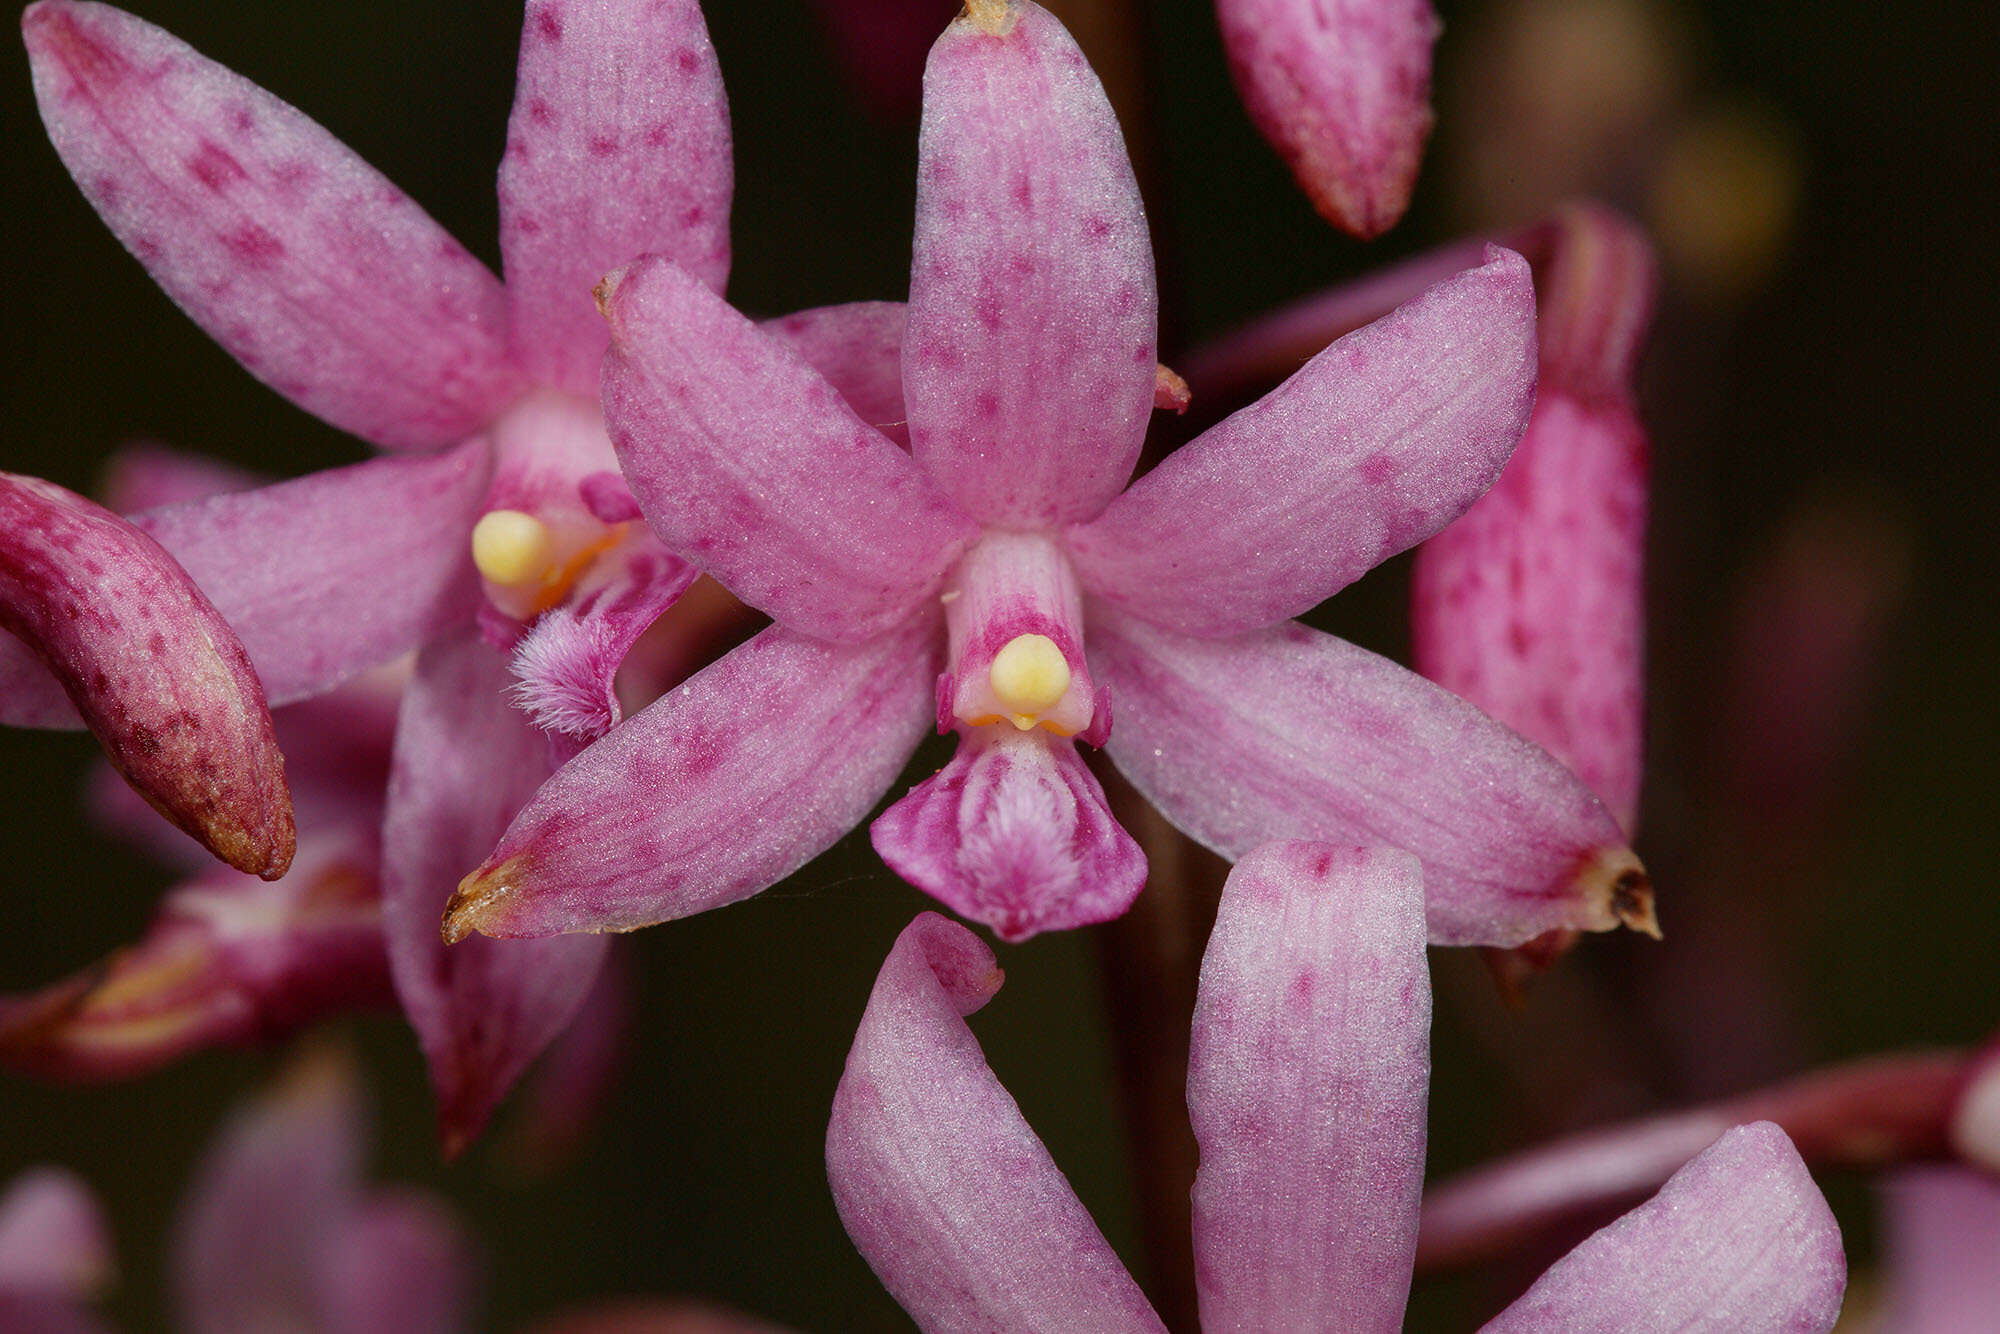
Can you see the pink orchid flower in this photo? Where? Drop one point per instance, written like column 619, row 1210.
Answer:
column 502, row 517
column 1006, row 548
column 1307, row 1084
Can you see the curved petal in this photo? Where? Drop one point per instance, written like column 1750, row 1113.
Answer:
column 1307, row 1082
column 53, row 1237
column 1532, row 605
column 155, row 671
column 729, row 783
column 327, row 282
column 858, row 347
column 1014, row 833
column 747, row 462
column 1738, row 1239
column 1290, row 733
column 1381, row 440
column 1032, row 309
column 563, row 1099
column 322, row 576
column 618, row 146
column 465, row 762
column 942, row 1185
column 401, row 1261
column 1342, row 91
column 268, row 1193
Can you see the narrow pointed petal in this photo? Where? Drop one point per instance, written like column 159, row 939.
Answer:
column 941, row 1183
column 268, row 1191
column 1014, row 833
column 1941, row 1231
column 324, row 280
column 1532, row 605
column 1033, row 315
column 618, row 146
column 1378, row 442
column 152, row 667
column 465, row 762
column 1739, row 1239
column 1307, row 1083
column 564, row 1097
column 1342, row 91
column 729, row 783
column 321, row 577
column 858, row 347
column 53, row 1237
column 747, row 462
column 147, row 476
column 1290, row 733
column 401, row 1261
column 230, row 960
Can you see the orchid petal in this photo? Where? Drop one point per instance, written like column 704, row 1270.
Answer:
column 154, row 669
column 274, row 1182
column 747, row 462
column 944, row 1188
column 401, row 1261
column 618, row 146
column 1014, row 833
column 726, row 785
column 322, row 576
column 1342, row 91
column 1378, row 442
column 1532, row 605
column 146, row 476
column 1033, row 314
column 319, row 276
column 564, row 1096
column 1738, row 1239
column 1307, row 1082
column 229, row 960
column 465, row 762
column 1941, row 1231
column 858, row 347
column 1290, row 733
column 53, row 1237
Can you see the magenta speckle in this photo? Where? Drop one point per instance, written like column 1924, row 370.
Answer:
column 548, row 23
column 214, row 167
column 253, row 244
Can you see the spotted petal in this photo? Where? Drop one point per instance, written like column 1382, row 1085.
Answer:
column 618, row 147
column 324, row 280
column 1290, row 733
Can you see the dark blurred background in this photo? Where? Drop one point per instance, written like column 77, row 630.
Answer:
column 1820, row 394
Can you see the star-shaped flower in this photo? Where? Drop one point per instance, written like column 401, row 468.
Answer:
column 1006, row 548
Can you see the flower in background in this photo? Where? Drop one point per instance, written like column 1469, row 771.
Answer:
column 1006, row 547
column 502, row 518
column 1307, row 1086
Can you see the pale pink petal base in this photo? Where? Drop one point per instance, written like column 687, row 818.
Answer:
column 1739, row 1239
column 1341, row 88
column 1291, row 733
column 1014, row 833
column 732, row 781
column 1307, row 1083
column 943, row 1186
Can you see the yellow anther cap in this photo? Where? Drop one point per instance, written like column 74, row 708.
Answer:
column 512, row 548
column 1029, row 676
